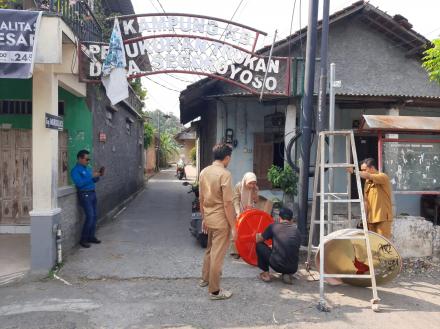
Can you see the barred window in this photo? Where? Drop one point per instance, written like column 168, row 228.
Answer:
column 22, row 107
column 15, row 107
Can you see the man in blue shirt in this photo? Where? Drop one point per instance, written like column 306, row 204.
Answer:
column 85, row 180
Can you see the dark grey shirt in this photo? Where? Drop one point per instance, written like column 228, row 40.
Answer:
column 286, row 241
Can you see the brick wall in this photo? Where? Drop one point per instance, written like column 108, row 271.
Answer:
column 150, row 159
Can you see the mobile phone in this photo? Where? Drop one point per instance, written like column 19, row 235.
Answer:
column 101, row 170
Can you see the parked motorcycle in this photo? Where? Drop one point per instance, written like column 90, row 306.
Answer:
column 180, row 172
column 196, row 216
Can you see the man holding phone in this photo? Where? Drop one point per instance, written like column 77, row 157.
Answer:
column 85, row 180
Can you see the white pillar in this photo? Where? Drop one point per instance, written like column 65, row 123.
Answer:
column 394, row 111
column 45, row 214
column 44, row 140
column 198, row 155
column 290, row 127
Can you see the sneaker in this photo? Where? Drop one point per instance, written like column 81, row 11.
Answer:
column 203, row 283
column 84, row 244
column 223, row 294
column 94, row 240
column 287, row 278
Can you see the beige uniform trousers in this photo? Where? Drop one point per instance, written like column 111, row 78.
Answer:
column 382, row 228
column 218, row 244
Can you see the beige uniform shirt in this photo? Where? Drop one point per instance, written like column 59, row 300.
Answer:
column 378, row 195
column 216, row 189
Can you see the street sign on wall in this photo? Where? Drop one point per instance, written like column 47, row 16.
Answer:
column 54, row 122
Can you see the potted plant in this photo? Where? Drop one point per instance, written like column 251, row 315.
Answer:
column 285, row 179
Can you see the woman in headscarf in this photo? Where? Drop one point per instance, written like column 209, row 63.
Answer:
column 245, row 197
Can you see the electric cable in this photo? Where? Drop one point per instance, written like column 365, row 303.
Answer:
column 233, row 15
column 163, row 9
column 291, row 26
column 177, row 91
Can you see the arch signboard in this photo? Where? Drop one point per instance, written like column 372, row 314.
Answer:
column 192, row 44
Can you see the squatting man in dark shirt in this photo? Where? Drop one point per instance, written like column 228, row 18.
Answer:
column 283, row 256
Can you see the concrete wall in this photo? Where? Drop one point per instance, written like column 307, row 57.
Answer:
column 121, row 154
column 245, row 117
column 150, row 159
column 186, row 146
column 415, row 237
column 72, row 217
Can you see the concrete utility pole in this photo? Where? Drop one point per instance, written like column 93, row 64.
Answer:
column 306, row 118
column 322, row 100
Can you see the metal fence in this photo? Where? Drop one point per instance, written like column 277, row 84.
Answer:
column 77, row 15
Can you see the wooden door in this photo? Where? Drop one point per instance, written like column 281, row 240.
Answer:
column 16, row 176
column 263, row 159
column 63, row 173
column 8, row 183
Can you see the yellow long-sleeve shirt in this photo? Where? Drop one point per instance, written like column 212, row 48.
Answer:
column 378, row 196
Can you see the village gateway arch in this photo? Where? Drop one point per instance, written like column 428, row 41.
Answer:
column 191, row 44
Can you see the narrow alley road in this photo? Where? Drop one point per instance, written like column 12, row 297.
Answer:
column 144, row 276
column 149, row 239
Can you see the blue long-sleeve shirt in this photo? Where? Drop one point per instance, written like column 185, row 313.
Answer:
column 83, row 178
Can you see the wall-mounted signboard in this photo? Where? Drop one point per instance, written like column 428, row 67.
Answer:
column 412, row 166
column 18, row 31
column 54, row 122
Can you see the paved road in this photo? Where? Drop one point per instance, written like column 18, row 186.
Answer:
column 144, row 275
column 150, row 239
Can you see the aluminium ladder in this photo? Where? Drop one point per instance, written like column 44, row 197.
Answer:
column 329, row 198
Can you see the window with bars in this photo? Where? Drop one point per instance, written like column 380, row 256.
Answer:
column 22, row 107
column 15, row 107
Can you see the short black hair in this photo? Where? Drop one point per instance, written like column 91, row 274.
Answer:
column 81, row 154
column 221, row 151
column 369, row 162
column 286, row 214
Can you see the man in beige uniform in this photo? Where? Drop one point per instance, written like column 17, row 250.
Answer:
column 377, row 194
column 215, row 187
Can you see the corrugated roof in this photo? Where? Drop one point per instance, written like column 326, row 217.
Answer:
column 399, row 23
column 388, row 95
column 401, row 123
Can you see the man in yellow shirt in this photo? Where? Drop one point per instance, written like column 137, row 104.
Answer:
column 377, row 198
column 215, row 190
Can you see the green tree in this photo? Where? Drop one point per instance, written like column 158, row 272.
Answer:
column 283, row 178
column 148, row 134
column 168, row 147
column 431, row 61
column 139, row 90
column 10, row 4
column 170, row 125
column 102, row 13
column 193, row 155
